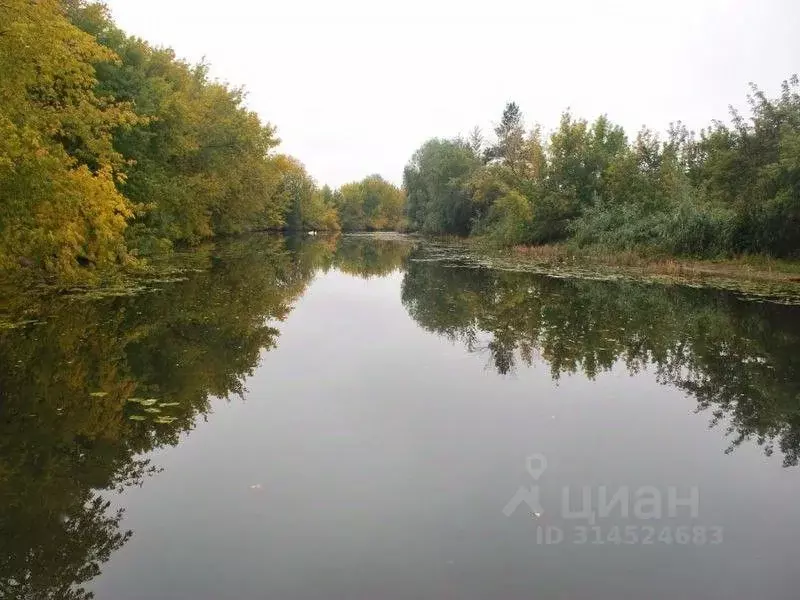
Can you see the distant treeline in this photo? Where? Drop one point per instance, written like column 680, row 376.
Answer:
column 111, row 149
column 731, row 189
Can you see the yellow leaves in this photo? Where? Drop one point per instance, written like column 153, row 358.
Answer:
column 196, row 161
column 57, row 161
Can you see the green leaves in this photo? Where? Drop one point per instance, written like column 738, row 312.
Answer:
column 435, row 182
column 306, row 207
column 735, row 189
column 111, row 148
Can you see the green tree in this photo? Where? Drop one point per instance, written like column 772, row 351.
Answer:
column 510, row 132
column 435, row 183
column 199, row 162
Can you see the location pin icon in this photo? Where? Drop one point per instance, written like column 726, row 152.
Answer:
column 536, row 465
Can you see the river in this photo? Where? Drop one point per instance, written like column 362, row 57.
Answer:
column 375, row 417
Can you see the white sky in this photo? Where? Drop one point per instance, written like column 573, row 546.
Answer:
column 355, row 86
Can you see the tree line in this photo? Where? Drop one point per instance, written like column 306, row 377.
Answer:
column 733, row 188
column 112, row 149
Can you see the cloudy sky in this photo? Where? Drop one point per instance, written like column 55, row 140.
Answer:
column 355, row 86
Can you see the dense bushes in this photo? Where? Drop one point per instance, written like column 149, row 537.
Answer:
column 731, row 189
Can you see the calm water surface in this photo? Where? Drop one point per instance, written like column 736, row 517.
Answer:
column 356, row 419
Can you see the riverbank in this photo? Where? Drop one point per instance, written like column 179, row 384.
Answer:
column 758, row 276
column 760, row 268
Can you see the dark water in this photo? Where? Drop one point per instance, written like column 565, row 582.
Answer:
column 355, row 420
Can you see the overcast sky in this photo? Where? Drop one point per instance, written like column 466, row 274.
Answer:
column 355, row 86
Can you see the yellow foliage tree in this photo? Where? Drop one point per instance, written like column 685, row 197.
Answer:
column 60, row 206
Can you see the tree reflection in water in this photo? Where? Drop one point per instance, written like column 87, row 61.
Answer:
column 97, row 383
column 737, row 358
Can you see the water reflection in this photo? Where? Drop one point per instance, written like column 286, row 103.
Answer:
column 738, row 359
column 96, row 383
column 371, row 256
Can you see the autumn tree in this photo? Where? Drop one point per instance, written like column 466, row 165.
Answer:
column 372, row 204
column 59, row 170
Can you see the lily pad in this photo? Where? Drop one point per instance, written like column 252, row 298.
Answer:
column 164, row 420
column 144, row 401
column 152, row 410
column 166, row 404
column 99, row 394
column 137, row 418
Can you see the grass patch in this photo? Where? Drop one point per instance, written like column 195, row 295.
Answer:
column 753, row 277
column 756, row 267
